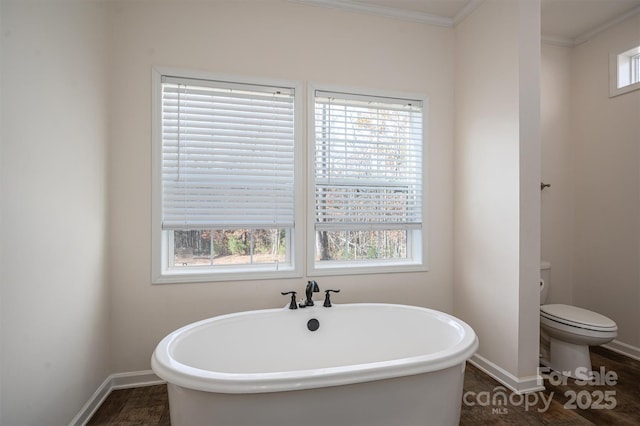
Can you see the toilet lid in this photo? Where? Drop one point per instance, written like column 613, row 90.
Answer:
column 577, row 317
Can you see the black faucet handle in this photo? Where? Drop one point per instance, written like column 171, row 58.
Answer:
column 327, row 299
column 292, row 304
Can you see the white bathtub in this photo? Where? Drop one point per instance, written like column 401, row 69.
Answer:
column 366, row 364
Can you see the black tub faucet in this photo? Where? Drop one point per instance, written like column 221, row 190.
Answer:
column 312, row 287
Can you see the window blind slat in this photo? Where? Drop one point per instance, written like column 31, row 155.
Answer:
column 171, row 82
column 354, row 99
column 227, row 155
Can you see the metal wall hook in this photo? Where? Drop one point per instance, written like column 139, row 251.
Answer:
column 544, row 185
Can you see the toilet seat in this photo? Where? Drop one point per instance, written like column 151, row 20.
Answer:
column 573, row 316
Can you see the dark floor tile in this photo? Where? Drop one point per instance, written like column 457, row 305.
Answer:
column 149, row 405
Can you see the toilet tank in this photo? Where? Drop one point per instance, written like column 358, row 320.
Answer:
column 545, row 280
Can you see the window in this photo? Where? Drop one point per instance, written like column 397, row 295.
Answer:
column 635, row 68
column 624, row 71
column 367, row 183
column 227, row 184
column 225, row 176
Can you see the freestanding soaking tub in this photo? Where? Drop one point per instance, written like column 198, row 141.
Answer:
column 364, row 364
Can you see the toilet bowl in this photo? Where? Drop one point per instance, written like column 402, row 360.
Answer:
column 567, row 332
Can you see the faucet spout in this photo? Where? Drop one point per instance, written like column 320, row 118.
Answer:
column 312, row 287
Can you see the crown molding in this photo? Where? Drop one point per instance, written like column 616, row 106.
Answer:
column 591, row 34
column 557, row 40
column 569, row 42
column 467, row 10
column 389, row 12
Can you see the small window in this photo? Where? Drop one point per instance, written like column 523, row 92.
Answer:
column 367, row 177
column 624, row 71
column 635, row 68
column 225, row 180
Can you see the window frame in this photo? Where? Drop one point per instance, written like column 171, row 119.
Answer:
column 622, row 65
column 419, row 243
column 161, row 243
column 635, row 67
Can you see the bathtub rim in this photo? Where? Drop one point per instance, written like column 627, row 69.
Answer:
column 186, row 376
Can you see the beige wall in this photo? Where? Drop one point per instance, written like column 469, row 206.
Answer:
column 54, row 298
column 276, row 39
column 1, row 222
column 496, row 164
column 557, row 212
column 529, row 63
column 590, row 148
column 606, row 157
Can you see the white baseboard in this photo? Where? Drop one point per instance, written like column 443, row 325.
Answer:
column 533, row 384
column 113, row 382
column 623, row 349
column 518, row 385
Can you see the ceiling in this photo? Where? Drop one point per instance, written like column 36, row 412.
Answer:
column 567, row 22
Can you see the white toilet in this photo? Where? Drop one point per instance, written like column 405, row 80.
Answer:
column 566, row 332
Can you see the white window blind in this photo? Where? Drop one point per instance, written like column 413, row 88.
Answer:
column 227, row 155
column 368, row 162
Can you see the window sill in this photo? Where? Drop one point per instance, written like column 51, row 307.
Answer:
column 232, row 274
column 613, row 92
column 364, row 268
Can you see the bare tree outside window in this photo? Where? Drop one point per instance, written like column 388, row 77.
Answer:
column 207, row 247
